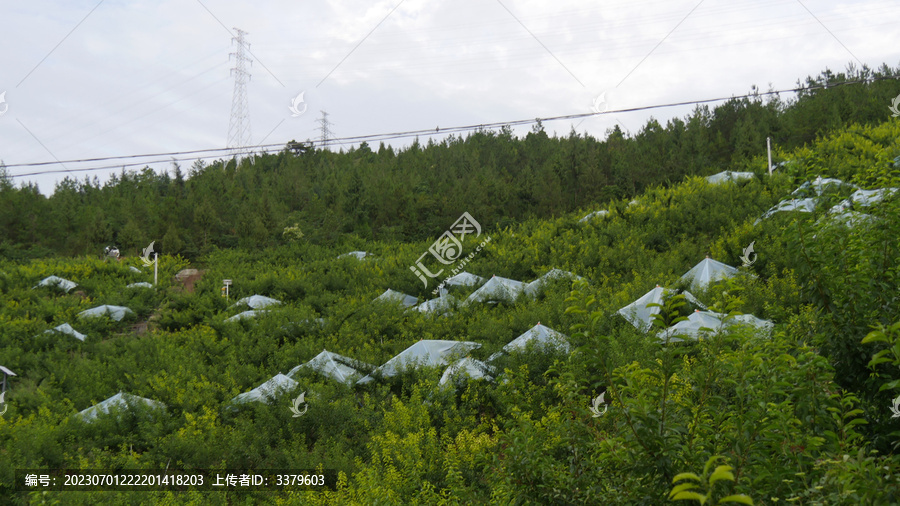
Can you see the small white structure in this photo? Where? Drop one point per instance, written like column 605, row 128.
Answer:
column 142, row 284
column 392, row 296
column 467, row 368
column 544, row 338
column 119, row 402
column 63, row 284
column 268, row 391
column 706, row 272
column 820, row 184
column 440, row 304
column 641, row 316
column 871, row 197
column 427, row 353
column 359, row 255
column 851, row 219
column 595, row 214
column 535, row 287
column 464, row 279
column 336, row 367
column 67, row 329
column 704, row 323
column 807, row 205
column 728, row 176
column 114, row 312
column 245, row 314
column 497, row 289
column 697, row 324
column 749, row 319
column 257, row 302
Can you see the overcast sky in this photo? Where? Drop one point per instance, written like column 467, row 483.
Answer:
column 89, row 79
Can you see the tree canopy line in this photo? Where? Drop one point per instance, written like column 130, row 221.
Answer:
column 411, row 193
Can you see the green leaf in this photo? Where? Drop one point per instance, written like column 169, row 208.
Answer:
column 738, row 498
column 689, row 496
column 875, row 336
column 683, row 476
column 682, row 488
column 721, row 473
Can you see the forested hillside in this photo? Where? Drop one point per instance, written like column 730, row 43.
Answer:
column 800, row 411
column 386, row 194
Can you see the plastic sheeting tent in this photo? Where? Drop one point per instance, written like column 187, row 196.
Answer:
column 467, row 368
column 851, row 219
column 337, row 367
column 535, row 287
column 864, row 198
column 392, row 296
column 706, row 272
column 359, row 255
column 67, row 329
column 114, row 312
column 142, row 284
column 63, row 284
column 698, row 323
column 728, row 176
column 708, row 322
column 802, row 205
column 749, row 319
column 819, row 185
column 268, row 391
column 464, row 279
column 257, row 302
column 595, row 214
column 245, row 314
column 871, row 197
column 440, row 304
column 543, row 338
column 119, row 402
column 424, row 353
column 641, row 316
column 497, row 289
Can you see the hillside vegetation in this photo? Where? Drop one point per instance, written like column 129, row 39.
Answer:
column 801, row 415
column 409, row 194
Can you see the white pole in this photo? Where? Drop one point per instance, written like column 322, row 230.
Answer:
column 156, row 269
column 769, row 149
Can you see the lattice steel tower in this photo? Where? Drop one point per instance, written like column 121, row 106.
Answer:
column 239, row 125
column 325, row 129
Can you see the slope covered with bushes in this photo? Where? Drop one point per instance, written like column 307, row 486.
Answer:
column 796, row 415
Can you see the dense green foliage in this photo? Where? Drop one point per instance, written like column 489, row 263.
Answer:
column 802, row 415
column 406, row 194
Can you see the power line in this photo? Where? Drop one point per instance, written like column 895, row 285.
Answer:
column 220, row 152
